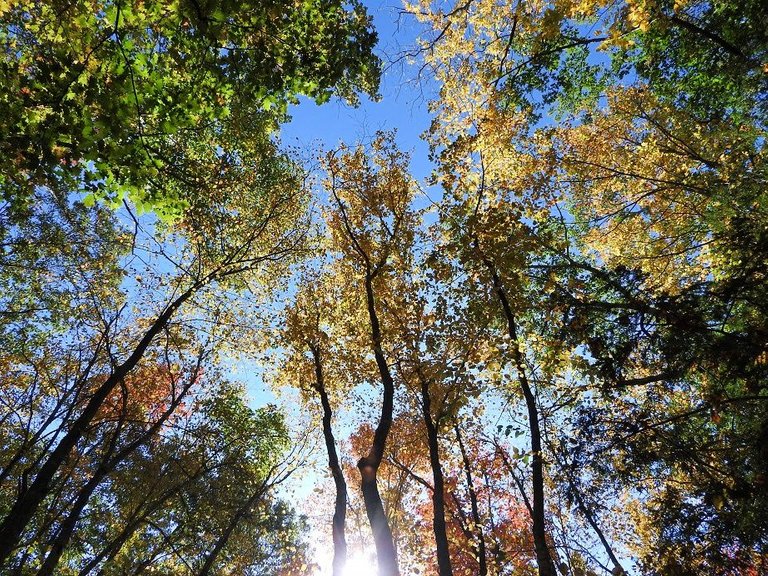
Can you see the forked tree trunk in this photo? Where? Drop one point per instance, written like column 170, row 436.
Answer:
column 369, row 465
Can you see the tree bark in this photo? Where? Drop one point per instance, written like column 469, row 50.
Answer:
column 369, row 465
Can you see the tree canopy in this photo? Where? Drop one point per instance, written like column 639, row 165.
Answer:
column 109, row 96
column 550, row 358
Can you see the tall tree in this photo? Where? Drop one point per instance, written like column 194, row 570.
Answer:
column 371, row 222
column 306, row 323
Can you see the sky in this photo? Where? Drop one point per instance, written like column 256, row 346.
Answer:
column 403, row 103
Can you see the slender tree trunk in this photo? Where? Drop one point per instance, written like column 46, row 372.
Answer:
column 108, row 465
column 543, row 556
column 340, row 508
column 382, row 535
column 438, row 493
column 590, row 517
column 68, row 526
column 27, row 503
column 167, row 539
column 224, row 538
column 483, row 568
column 369, row 465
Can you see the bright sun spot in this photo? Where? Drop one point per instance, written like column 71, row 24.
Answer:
column 359, row 564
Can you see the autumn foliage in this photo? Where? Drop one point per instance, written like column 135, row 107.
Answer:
column 548, row 358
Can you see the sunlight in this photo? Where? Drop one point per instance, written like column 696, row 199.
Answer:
column 360, row 564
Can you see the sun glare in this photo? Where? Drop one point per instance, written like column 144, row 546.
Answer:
column 360, row 564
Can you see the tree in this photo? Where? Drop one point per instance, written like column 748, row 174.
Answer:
column 200, row 498
column 272, row 204
column 558, row 366
column 318, row 374
column 167, row 106
column 624, row 185
column 105, row 94
column 371, row 225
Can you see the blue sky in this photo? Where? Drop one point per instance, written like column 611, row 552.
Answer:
column 403, row 104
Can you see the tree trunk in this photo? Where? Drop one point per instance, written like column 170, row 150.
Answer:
column 543, row 556
column 382, row 535
column 111, row 549
column 340, row 507
column 68, row 526
column 483, row 562
column 224, row 538
column 369, row 465
column 438, row 494
column 588, row 515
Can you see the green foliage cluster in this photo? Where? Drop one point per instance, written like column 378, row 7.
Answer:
column 104, row 96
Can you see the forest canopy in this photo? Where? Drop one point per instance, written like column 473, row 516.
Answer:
column 548, row 358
